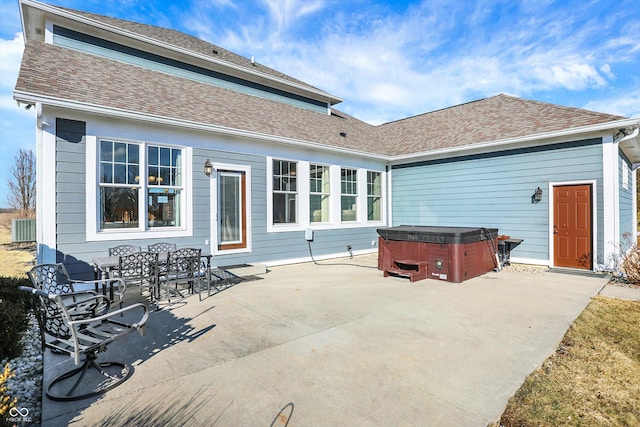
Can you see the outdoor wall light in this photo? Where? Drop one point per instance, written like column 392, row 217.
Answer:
column 208, row 167
column 537, row 195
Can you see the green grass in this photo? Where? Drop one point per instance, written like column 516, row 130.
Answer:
column 593, row 379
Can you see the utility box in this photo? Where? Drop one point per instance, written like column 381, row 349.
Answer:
column 453, row 254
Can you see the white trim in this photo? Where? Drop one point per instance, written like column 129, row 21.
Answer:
column 46, row 228
column 634, row 205
column 389, row 196
column 611, row 198
column 518, row 142
column 180, row 123
column 214, row 207
column 594, row 218
column 303, row 221
column 92, row 227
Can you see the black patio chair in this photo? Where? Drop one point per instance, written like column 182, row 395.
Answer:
column 54, row 278
column 124, row 250
column 182, row 267
column 139, row 269
column 161, row 247
column 84, row 337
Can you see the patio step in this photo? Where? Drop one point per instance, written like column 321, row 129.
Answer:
column 243, row 270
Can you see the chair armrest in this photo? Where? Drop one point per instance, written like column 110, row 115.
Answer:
column 101, row 282
column 108, row 316
column 85, row 303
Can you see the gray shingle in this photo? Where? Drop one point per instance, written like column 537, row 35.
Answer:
column 63, row 73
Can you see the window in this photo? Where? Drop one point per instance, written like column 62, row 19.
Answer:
column 320, row 193
column 625, row 175
column 374, row 196
column 119, row 185
column 285, row 192
column 123, row 182
column 164, row 166
column 348, row 194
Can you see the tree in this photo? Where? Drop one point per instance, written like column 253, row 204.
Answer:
column 22, row 184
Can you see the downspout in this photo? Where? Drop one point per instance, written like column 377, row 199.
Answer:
column 616, row 189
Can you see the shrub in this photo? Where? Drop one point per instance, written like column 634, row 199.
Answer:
column 14, row 307
column 6, row 402
column 631, row 265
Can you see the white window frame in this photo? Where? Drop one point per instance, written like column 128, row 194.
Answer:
column 304, row 193
column 321, row 193
column 93, row 231
column 369, row 196
column 357, row 195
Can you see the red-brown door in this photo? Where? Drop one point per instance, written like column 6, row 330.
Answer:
column 572, row 231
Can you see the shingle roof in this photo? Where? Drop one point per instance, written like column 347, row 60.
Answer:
column 58, row 72
column 491, row 119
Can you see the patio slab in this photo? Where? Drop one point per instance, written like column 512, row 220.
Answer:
column 336, row 344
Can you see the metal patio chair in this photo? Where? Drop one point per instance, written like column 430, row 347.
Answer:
column 182, row 267
column 84, row 337
column 124, row 250
column 54, row 278
column 161, row 247
column 139, row 269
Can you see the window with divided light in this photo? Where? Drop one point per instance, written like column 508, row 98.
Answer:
column 285, row 192
column 124, row 181
column 374, row 196
column 319, row 193
column 349, row 194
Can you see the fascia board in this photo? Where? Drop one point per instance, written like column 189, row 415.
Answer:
column 520, row 142
column 238, row 71
column 29, row 98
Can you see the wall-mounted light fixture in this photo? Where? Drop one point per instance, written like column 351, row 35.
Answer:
column 537, row 195
column 208, row 167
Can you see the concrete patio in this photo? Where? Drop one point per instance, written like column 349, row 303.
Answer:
column 335, row 344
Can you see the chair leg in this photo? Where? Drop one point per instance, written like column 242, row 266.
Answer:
column 70, row 385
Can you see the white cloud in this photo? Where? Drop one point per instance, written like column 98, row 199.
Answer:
column 621, row 104
column 10, row 57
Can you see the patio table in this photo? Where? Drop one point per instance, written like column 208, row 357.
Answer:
column 106, row 264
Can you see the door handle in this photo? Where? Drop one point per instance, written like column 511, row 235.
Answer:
column 555, row 229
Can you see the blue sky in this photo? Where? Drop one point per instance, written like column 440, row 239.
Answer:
column 389, row 60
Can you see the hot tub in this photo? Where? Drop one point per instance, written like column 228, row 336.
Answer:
column 453, row 254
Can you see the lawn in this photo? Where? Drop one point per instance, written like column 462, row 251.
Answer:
column 593, row 378
column 15, row 259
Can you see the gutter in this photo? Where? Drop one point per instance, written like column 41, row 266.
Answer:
column 29, row 98
column 523, row 141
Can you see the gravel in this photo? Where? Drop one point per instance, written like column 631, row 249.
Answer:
column 26, row 384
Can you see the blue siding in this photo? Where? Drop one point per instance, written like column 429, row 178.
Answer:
column 74, row 250
column 496, row 191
